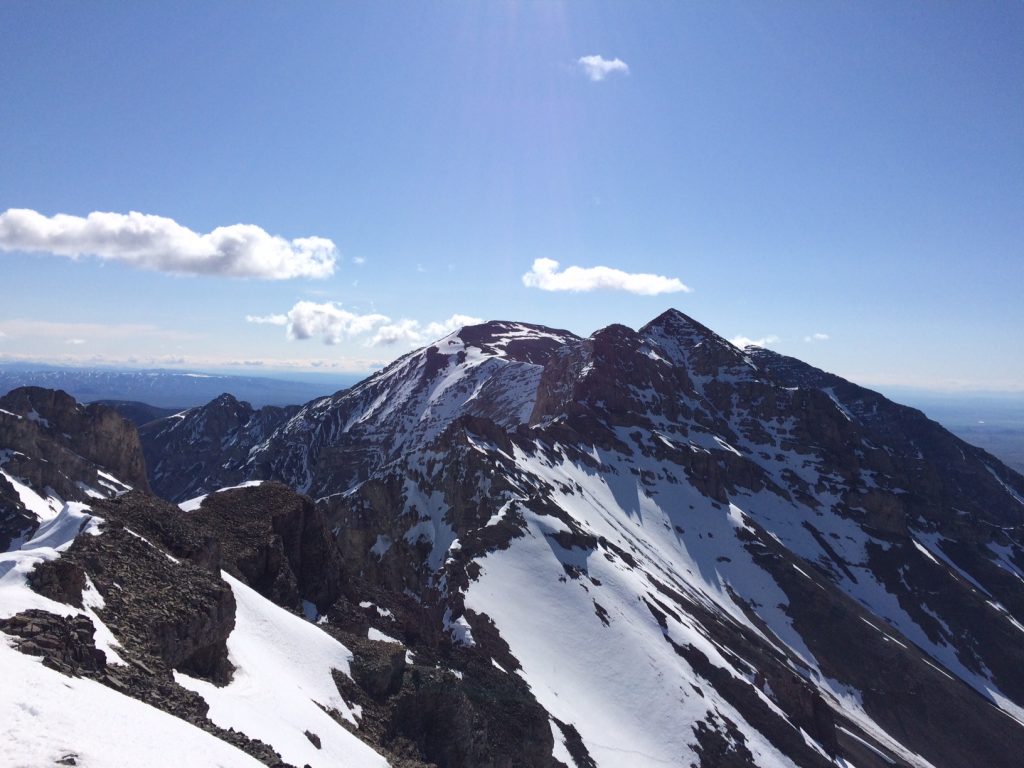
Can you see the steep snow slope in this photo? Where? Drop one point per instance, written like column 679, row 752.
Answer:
column 47, row 717
column 283, row 684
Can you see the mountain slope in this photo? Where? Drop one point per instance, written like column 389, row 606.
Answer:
column 644, row 508
column 642, row 547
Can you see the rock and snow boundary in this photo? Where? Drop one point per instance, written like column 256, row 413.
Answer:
column 282, row 686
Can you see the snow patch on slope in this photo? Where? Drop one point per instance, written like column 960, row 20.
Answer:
column 282, row 679
column 46, row 716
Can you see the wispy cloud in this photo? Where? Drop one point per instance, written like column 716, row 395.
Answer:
column 816, row 337
column 73, row 333
column 413, row 333
column 161, row 244
column 544, row 274
column 743, row 341
column 333, row 324
column 75, row 342
column 597, row 68
column 267, row 319
column 200, row 362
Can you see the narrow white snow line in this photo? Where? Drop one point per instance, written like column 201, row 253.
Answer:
column 868, row 745
column 883, row 633
column 842, row 408
column 191, row 505
column 924, row 551
column 154, row 546
column 1016, row 496
column 283, row 676
column 246, row 484
column 937, row 668
column 104, row 639
column 936, row 550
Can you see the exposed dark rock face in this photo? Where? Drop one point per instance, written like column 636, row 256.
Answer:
column 65, row 642
column 206, row 448
column 95, row 433
column 270, row 537
column 178, row 612
column 64, row 451
column 420, row 714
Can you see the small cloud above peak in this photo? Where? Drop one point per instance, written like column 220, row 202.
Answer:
column 597, row 68
column 816, row 337
column 544, row 274
column 743, row 341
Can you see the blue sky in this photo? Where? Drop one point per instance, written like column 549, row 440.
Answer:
column 854, row 171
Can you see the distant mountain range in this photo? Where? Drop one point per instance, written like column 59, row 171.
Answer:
column 166, row 388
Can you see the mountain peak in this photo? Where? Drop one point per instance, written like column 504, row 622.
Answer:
column 676, row 323
column 525, row 342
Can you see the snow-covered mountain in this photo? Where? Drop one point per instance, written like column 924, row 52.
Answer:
column 641, row 548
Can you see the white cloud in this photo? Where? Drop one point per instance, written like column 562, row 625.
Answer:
column 71, row 332
column 545, row 275
column 816, row 337
column 200, row 362
column 743, row 341
column 358, row 260
column 161, row 244
column 453, row 323
column 76, row 342
column 267, row 319
column 597, row 68
column 332, row 324
column 403, row 330
column 328, row 321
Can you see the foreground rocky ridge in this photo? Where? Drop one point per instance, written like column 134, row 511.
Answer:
column 51, row 447
column 643, row 547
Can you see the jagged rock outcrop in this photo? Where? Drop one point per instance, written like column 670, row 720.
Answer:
column 52, row 450
column 202, row 449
